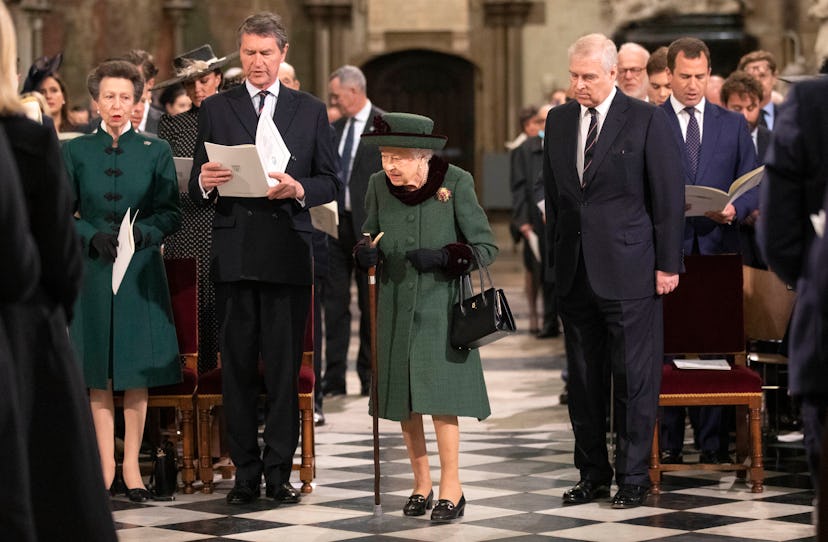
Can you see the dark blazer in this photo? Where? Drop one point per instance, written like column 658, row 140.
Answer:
column 257, row 238
column 727, row 152
column 56, row 393
column 794, row 188
column 763, row 138
column 627, row 220
column 367, row 161
column 526, row 164
column 153, row 118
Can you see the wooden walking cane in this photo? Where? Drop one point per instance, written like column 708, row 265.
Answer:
column 372, row 312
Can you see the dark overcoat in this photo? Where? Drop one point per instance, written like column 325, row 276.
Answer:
column 418, row 369
column 129, row 337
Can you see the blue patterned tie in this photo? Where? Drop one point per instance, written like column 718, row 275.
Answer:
column 589, row 144
column 693, row 142
column 262, row 97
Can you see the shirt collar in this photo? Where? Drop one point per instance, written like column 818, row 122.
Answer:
column 363, row 114
column 253, row 91
column 603, row 107
column 678, row 107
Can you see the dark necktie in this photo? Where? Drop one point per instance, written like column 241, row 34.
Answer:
column 345, row 159
column 693, row 142
column 762, row 120
column 262, row 97
column 589, row 144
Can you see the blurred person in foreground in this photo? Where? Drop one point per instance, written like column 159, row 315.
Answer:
column 125, row 341
column 68, row 494
column 431, row 220
column 614, row 218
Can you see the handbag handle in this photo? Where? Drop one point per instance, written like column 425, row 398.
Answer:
column 465, row 278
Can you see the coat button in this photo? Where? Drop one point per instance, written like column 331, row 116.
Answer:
column 409, row 240
column 410, row 285
column 249, row 213
column 410, row 218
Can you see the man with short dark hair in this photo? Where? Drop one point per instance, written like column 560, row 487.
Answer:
column 614, row 211
column 357, row 162
column 658, row 88
column 261, row 256
column 762, row 66
column 716, row 148
column 151, row 115
column 742, row 93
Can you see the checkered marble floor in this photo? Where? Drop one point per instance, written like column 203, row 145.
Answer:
column 513, row 483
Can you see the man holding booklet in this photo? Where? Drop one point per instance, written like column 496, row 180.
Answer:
column 261, row 258
column 716, row 149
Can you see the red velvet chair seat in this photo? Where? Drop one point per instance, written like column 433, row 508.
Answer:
column 739, row 379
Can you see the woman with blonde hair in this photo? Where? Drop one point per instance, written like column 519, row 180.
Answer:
column 67, row 494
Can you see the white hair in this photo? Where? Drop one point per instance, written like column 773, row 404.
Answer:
column 595, row 45
column 632, row 47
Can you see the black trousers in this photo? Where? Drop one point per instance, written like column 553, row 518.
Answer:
column 627, row 335
column 264, row 320
column 338, row 310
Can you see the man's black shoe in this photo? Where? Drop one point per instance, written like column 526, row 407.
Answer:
column 331, row 392
column 244, row 492
column 669, row 457
column 318, row 418
column 283, row 493
column 709, row 457
column 630, row 496
column 586, row 491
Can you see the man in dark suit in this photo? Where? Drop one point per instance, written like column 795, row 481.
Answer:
column 357, row 162
column 742, row 93
column 716, row 148
column 261, row 255
column 614, row 208
column 793, row 192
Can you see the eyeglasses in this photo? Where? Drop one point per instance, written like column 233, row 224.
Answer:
column 634, row 71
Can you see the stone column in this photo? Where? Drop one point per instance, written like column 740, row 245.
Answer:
column 330, row 19
column 177, row 10
column 506, row 18
column 30, row 33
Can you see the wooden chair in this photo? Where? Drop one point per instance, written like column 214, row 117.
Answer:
column 209, row 396
column 705, row 316
column 182, row 278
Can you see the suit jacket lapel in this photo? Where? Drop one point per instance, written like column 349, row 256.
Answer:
column 710, row 139
column 242, row 106
column 616, row 118
column 285, row 110
column 674, row 123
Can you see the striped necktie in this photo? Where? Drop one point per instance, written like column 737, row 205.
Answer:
column 262, row 97
column 589, row 144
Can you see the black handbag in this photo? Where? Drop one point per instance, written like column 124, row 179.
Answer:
column 164, row 480
column 481, row 318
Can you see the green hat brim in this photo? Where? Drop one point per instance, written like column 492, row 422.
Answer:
column 406, row 141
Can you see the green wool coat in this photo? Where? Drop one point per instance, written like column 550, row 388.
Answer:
column 418, row 370
column 129, row 337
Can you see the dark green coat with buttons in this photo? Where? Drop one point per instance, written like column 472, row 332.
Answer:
column 129, row 337
column 418, row 369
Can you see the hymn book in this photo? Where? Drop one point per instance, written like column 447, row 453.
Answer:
column 702, row 199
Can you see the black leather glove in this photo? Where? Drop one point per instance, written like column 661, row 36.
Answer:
column 428, row 259
column 137, row 236
column 106, row 245
column 365, row 255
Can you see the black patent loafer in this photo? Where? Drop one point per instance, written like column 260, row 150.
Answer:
column 417, row 504
column 243, row 493
column 138, row 494
column 586, row 491
column 445, row 510
column 630, row 496
column 283, row 493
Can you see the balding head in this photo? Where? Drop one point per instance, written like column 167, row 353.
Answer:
column 632, row 70
column 287, row 76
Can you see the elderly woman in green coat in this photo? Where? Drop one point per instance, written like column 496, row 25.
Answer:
column 126, row 341
column 431, row 221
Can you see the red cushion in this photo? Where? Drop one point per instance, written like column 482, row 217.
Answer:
column 187, row 385
column 739, row 379
column 306, row 379
column 182, row 277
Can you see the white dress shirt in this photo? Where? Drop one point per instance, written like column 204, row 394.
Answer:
column 684, row 117
column 603, row 109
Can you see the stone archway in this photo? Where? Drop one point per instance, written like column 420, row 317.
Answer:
column 438, row 85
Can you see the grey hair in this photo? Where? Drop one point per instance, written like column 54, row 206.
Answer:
column 424, row 153
column 595, row 44
column 264, row 24
column 117, row 69
column 633, row 47
column 350, row 76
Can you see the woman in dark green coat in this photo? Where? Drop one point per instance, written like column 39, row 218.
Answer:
column 127, row 340
column 431, row 222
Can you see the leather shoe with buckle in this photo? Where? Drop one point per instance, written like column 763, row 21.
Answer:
column 417, row 504
column 244, row 492
column 630, row 496
column 283, row 493
column 445, row 510
column 670, row 457
column 586, row 491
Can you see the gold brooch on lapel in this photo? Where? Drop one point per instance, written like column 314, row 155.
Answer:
column 443, row 194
